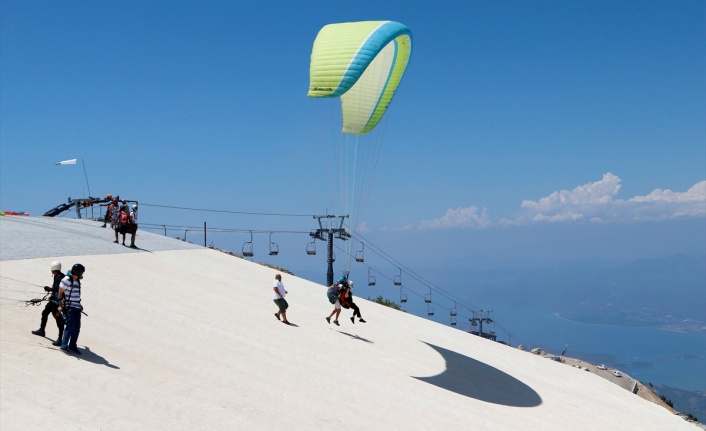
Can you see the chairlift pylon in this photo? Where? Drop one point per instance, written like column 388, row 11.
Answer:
column 274, row 247
column 248, row 250
column 360, row 254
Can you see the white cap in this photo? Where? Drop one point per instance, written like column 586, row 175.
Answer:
column 55, row 266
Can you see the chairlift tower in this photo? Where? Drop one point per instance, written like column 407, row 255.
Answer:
column 480, row 317
column 328, row 234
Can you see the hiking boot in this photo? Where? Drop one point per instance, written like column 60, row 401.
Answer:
column 115, row 242
column 277, row 316
column 39, row 332
column 328, row 319
column 57, row 343
column 361, row 320
column 335, row 322
column 133, row 246
column 74, row 350
column 353, row 319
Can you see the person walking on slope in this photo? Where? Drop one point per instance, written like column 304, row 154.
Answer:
column 115, row 218
column 346, row 299
column 131, row 227
column 124, row 224
column 333, row 294
column 108, row 209
column 70, row 293
column 280, row 293
column 52, row 306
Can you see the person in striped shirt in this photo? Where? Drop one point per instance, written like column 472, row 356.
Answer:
column 70, row 293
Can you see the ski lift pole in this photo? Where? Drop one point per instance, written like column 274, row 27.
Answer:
column 204, row 233
column 329, row 259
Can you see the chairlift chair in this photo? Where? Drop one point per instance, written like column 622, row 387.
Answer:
column 427, row 298
column 360, row 254
column 274, row 248
column 430, row 310
column 397, row 281
column 371, row 278
column 403, row 298
column 311, row 248
column 248, row 249
column 453, row 312
column 452, row 321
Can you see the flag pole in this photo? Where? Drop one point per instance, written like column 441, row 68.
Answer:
column 88, row 187
column 85, row 176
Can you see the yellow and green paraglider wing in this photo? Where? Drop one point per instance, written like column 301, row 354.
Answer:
column 362, row 63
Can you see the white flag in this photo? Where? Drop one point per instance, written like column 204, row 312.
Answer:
column 67, row 162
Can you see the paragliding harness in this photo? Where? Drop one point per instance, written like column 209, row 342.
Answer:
column 124, row 217
column 332, row 293
column 345, row 297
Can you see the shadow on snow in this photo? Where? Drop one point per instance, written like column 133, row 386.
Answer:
column 471, row 378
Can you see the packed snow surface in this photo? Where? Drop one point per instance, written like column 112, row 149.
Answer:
column 184, row 338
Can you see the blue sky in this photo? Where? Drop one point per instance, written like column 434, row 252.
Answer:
column 205, row 105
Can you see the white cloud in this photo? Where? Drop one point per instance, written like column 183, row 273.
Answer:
column 583, row 202
column 469, row 217
column 664, row 203
column 596, row 202
column 600, row 192
column 593, row 202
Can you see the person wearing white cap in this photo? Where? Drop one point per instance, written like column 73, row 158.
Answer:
column 52, row 306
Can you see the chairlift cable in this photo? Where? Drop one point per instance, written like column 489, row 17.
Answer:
column 260, row 213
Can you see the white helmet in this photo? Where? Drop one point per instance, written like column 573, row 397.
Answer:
column 350, row 283
column 55, row 266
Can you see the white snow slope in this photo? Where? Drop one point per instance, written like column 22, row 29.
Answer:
column 185, row 339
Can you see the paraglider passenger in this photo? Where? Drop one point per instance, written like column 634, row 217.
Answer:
column 280, row 293
column 346, row 299
column 70, row 293
column 52, row 306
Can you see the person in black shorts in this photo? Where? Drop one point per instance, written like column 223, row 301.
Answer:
column 280, row 293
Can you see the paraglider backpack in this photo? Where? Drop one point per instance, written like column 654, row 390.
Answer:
column 332, row 294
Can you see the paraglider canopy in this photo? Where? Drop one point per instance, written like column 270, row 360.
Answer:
column 362, row 63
